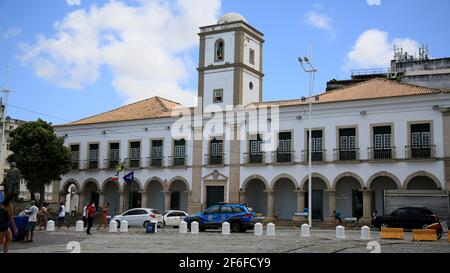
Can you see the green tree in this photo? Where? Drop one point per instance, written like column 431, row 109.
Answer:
column 39, row 154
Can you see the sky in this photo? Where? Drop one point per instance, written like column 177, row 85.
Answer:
column 69, row 59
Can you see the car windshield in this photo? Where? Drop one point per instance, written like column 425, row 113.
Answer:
column 250, row 209
column 155, row 211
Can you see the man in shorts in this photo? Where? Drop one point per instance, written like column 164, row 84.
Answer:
column 32, row 222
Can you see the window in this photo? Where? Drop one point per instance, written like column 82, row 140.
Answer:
column 256, row 155
column 180, row 148
column 316, row 145
column 135, row 150
column 75, row 149
column 250, row 85
column 157, row 146
column 219, row 49
column 114, row 151
column 252, row 56
column 212, row 210
column 237, row 209
column 420, row 135
column 218, row 95
column 347, row 144
column 226, row 209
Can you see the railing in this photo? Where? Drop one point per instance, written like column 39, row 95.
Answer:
column 254, row 158
column 111, row 164
column 75, row 165
column 214, row 159
column 90, row 165
column 177, row 161
column 387, row 153
column 155, row 162
column 283, row 157
column 133, row 163
column 428, row 152
column 346, row 155
column 315, row 156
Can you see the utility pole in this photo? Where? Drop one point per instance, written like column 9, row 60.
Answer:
column 4, row 102
column 309, row 68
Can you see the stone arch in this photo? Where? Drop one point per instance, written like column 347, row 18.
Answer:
column 111, row 194
column 109, row 180
column 87, row 182
column 255, row 177
column 153, row 179
column 285, row 196
column 283, row 176
column 384, row 174
column 68, row 183
column 71, row 199
column 422, row 173
column 176, row 178
column 89, row 194
column 315, row 175
column 348, row 174
column 178, row 197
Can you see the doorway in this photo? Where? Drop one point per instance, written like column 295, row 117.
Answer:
column 214, row 195
column 175, row 200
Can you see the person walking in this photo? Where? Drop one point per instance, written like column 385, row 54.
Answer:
column 105, row 210
column 6, row 219
column 85, row 215
column 90, row 213
column 31, row 222
column 44, row 216
column 61, row 214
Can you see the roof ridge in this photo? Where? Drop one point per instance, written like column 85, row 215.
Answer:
column 163, row 100
column 352, row 85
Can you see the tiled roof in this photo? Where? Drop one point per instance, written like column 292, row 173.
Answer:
column 372, row 89
column 154, row 107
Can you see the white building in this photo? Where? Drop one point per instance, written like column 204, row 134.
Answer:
column 368, row 137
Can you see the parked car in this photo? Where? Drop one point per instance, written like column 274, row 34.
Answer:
column 240, row 216
column 407, row 217
column 139, row 217
column 173, row 217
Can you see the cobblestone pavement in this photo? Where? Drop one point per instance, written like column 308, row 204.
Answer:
column 169, row 241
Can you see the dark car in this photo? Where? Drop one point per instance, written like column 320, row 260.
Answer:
column 240, row 216
column 408, row 218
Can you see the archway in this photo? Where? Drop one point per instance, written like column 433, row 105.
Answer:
column 349, row 197
column 421, row 183
column 378, row 185
column 178, row 195
column 91, row 193
column 285, row 198
column 255, row 195
column 319, row 196
column 70, row 196
column 111, row 195
column 155, row 195
column 133, row 196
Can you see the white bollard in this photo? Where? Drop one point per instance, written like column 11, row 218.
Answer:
column 258, row 229
column 183, row 227
column 365, row 233
column 340, row 232
column 156, row 226
column 305, row 231
column 79, row 226
column 271, row 229
column 123, row 226
column 225, row 228
column 113, row 226
column 50, row 225
column 194, row 227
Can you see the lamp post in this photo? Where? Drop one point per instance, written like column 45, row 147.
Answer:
column 309, row 68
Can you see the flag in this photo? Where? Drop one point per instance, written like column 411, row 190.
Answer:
column 115, row 178
column 120, row 167
column 129, row 177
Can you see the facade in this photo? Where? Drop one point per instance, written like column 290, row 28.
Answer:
column 366, row 138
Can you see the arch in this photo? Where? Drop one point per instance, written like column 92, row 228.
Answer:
column 285, row 176
column 384, row 174
column 109, row 180
column 110, row 191
column 315, row 175
column 68, row 183
column 178, row 195
column 285, row 196
column 178, row 178
column 422, row 173
column 88, row 181
column 348, row 174
column 153, row 179
column 219, row 50
column 254, row 177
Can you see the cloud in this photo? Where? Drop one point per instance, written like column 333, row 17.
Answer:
column 320, row 21
column 373, row 49
column 11, row 33
column 374, row 2
column 146, row 46
column 73, row 2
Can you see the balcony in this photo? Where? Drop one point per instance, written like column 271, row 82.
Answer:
column 214, row 159
column 90, row 165
column 133, row 163
column 155, row 162
column 111, row 164
column 420, row 153
column 316, row 157
column 254, row 158
column 177, row 161
column 283, row 157
column 384, row 154
column 346, row 155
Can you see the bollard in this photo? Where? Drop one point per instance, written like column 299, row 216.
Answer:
column 258, row 229
column 194, row 227
column 305, row 230
column 123, row 226
column 365, row 233
column 50, row 225
column 79, row 226
column 340, row 232
column 225, row 228
column 424, row 235
column 113, row 226
column 392, row 233
column 183, row 227
column 271, row 229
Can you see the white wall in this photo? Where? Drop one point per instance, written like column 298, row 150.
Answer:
column 219, row 79
column 210, row 41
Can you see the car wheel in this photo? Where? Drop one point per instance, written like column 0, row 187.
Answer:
column 146, row 223
column 118, row 223
column 235, row 227
column 383, row 225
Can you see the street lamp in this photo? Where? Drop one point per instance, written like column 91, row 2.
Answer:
column 309, row 68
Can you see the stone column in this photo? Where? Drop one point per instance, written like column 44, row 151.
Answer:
column 144, row 198
column 195, row 202
column 235, row 160
column 81, row 202
column 167, row 196
column 446, row 137
column 101, row 199
column 367, row 205
column 270, row 205
column 242, row 197
column 121, row 201
column 55, row 190
column 331, row 204
column 62, row 197
column 300, row 200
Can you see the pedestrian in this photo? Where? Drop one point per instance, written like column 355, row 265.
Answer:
column 84, row 215
column 31, row 222
column 105, row 210
column 44, row 216
column 337, row 217
column 61, row 214
column 6, row 219
column 90, row 213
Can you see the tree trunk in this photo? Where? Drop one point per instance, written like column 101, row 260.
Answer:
column 32, row 197
column 42, row 197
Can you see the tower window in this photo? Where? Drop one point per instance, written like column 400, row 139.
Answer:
column 218, row 95
column 250, row 85
column 252, row 56
column 220, row 45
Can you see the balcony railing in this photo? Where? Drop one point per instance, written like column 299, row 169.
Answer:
column 214, row 159
column 90, row 165
column 111, row 164
column 428, row 152
column 283, row 157
column 177, row 161
column 133, row 163
column 155, row 162
column 315, row 156
column 346, row 155
column 387, row 153
column 254, row 158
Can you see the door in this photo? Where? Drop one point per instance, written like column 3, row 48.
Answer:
column 214, row 195
column 175, row 200
column 357, row 203
column 317, row 204
column 134, row 199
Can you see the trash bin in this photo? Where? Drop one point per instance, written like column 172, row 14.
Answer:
column 151, row 227
column 21, row 224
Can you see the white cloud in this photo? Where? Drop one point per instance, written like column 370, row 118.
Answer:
column 11, row 33
column 73, row 2
column 374, row 2
column 145, row 46
column 373, row 49
column 320, row 21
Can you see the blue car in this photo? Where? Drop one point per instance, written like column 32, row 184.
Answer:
column 240, row 216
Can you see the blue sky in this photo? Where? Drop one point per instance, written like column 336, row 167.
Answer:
column 75, row 58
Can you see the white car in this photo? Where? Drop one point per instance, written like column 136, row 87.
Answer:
column 139, row 217
column 173, row 217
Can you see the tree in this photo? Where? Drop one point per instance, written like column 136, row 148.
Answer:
column 39, row 154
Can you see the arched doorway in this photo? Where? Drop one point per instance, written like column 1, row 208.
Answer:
column 285, row 198
column 112, row 196
column 255, row 196
column 421, row 183
column 70, row 196
column 349, row 197
column 378, row 186
column 91, row 193
column 133, row 195
column 319, row 196
column 178, row 195
column 155, row 195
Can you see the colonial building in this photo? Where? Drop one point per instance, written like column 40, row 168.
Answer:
column 366, row 138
